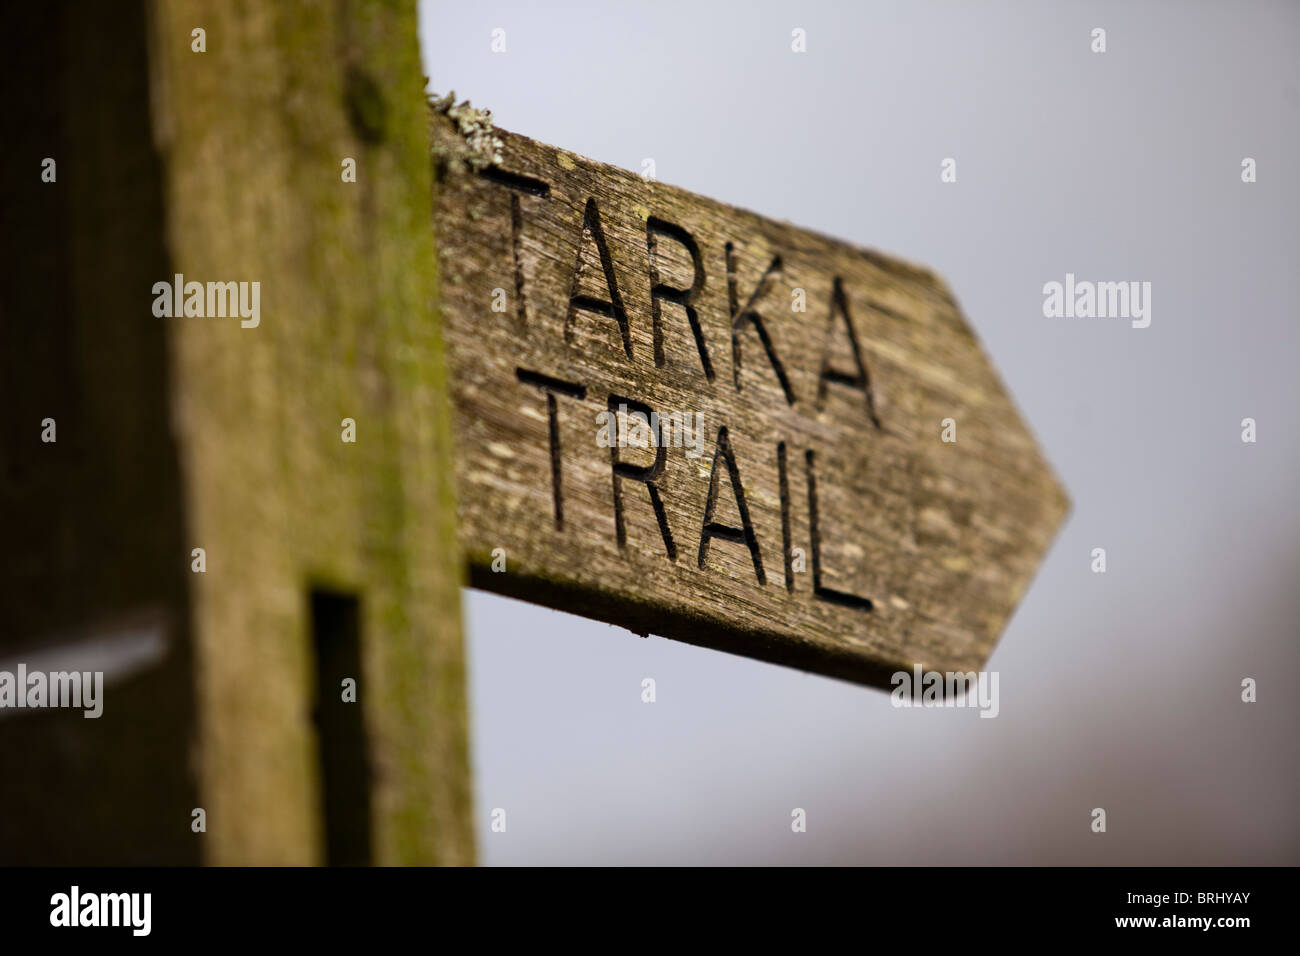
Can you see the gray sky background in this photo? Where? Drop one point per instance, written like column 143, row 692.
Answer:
column 1118, row 690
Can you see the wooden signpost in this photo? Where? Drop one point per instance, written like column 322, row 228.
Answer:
column 686, row 419
column 625, row 400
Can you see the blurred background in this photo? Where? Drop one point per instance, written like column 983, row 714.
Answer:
column 1119, row 690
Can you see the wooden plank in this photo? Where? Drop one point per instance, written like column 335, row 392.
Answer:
column 818, row 519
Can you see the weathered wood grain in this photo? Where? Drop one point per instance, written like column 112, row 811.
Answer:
column 913, row 550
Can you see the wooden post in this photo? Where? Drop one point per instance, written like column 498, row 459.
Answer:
column 213, row 142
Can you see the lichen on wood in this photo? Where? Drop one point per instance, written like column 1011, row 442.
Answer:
column 478, row 146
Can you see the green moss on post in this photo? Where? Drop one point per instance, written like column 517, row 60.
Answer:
column 255, row 133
